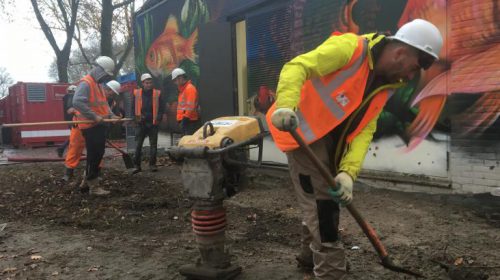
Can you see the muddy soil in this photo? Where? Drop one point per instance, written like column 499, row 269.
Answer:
column 142, row 231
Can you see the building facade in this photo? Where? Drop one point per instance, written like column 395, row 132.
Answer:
column 440, row 133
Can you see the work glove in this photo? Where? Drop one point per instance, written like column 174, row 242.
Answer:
column 285, row 119
column 343, row 192
column 98, row 119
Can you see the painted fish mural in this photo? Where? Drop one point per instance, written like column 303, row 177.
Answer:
column 170, row 49
column 468, row 65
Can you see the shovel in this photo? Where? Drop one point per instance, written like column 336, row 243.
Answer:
column 384, row 257
column 129, row 163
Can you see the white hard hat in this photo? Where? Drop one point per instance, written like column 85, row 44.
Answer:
column 114, row 86
column 71, row 88
column 422, row 35
column 107, row 64
column 146, row 76
column 177, row 72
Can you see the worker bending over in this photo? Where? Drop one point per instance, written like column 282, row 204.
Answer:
column 91, row 104
column 333, row 96
column 76, row 139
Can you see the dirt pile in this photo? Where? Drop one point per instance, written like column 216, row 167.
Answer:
column 143, row 230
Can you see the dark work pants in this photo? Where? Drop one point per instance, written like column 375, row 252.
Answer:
column 95, row 142
column 143, row 131
column 189, row 127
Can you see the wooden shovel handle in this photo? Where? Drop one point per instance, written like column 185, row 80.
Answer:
column 63, row 122
column 327, row 175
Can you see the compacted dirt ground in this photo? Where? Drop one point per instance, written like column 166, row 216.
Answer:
column 49, row 230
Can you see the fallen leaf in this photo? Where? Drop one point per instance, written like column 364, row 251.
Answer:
column 9, row 270
column 459, row 261
column 93, row 268
column 36, row 257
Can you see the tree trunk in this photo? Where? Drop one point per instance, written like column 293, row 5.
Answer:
column 62, row 68
column 106, row 24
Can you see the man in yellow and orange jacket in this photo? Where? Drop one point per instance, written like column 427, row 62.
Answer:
column 187, row 104
column 332, row 96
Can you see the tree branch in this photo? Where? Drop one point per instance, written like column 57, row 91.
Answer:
column 80, row 45
column 124, row 3
column 63, row 12
column 122, row 59
column 45, row 28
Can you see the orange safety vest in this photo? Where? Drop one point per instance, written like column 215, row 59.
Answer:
column 97, row 102
column 325, row 102
column 187, row 103
column 138, row 103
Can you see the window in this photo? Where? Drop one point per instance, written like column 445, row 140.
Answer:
column 36, row 93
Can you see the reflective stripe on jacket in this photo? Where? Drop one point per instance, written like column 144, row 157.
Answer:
column 187, row 103
column 156, row 103
column 326, row 86
column 98, row 102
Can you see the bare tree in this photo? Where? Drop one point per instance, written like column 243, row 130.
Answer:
column 66, row 11
column 112, row 25
column 80, row 62
column 5, row 82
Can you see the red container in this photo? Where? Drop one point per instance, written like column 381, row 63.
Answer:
column 36, row 102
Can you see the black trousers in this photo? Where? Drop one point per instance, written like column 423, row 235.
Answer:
column 95, row 142
column 143, row 131
column 189, row 127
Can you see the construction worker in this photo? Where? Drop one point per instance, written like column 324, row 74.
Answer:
column 148, row 107
column 67, row 105
column 76, row 139
column 333, row 96
column 91, row 104
column 187, row 104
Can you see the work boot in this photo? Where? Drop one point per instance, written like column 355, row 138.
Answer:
column 136, row 170
column 305, row 261
column 153, row 168
column 68, row 174
column 84, row 188
column 95, row 189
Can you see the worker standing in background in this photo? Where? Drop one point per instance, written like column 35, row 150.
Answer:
column 187, row 103
column 68, row 116
column 148, row 107
column 91, row 104
column 333, row 96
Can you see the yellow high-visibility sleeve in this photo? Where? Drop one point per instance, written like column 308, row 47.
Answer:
column 356, row 151
column 328, row 57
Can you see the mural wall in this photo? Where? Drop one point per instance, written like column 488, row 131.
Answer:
column 459, row 94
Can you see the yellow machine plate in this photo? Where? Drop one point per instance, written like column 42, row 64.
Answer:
column 237, row 128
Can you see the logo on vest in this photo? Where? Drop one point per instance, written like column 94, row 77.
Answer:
column 342, row 99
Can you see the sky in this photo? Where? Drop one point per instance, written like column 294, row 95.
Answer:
column 25, row 52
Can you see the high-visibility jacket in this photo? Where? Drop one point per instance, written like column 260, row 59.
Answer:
column 97, row 102
column 187, row 103
column 326, row 86
column 156, row 103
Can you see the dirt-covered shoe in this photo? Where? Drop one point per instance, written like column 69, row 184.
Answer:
column 136, row 170
column 305, row 262
column 84, row 187
column 95, row 189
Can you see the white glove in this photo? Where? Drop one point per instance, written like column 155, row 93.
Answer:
column 343, row 194
column 285, row 119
